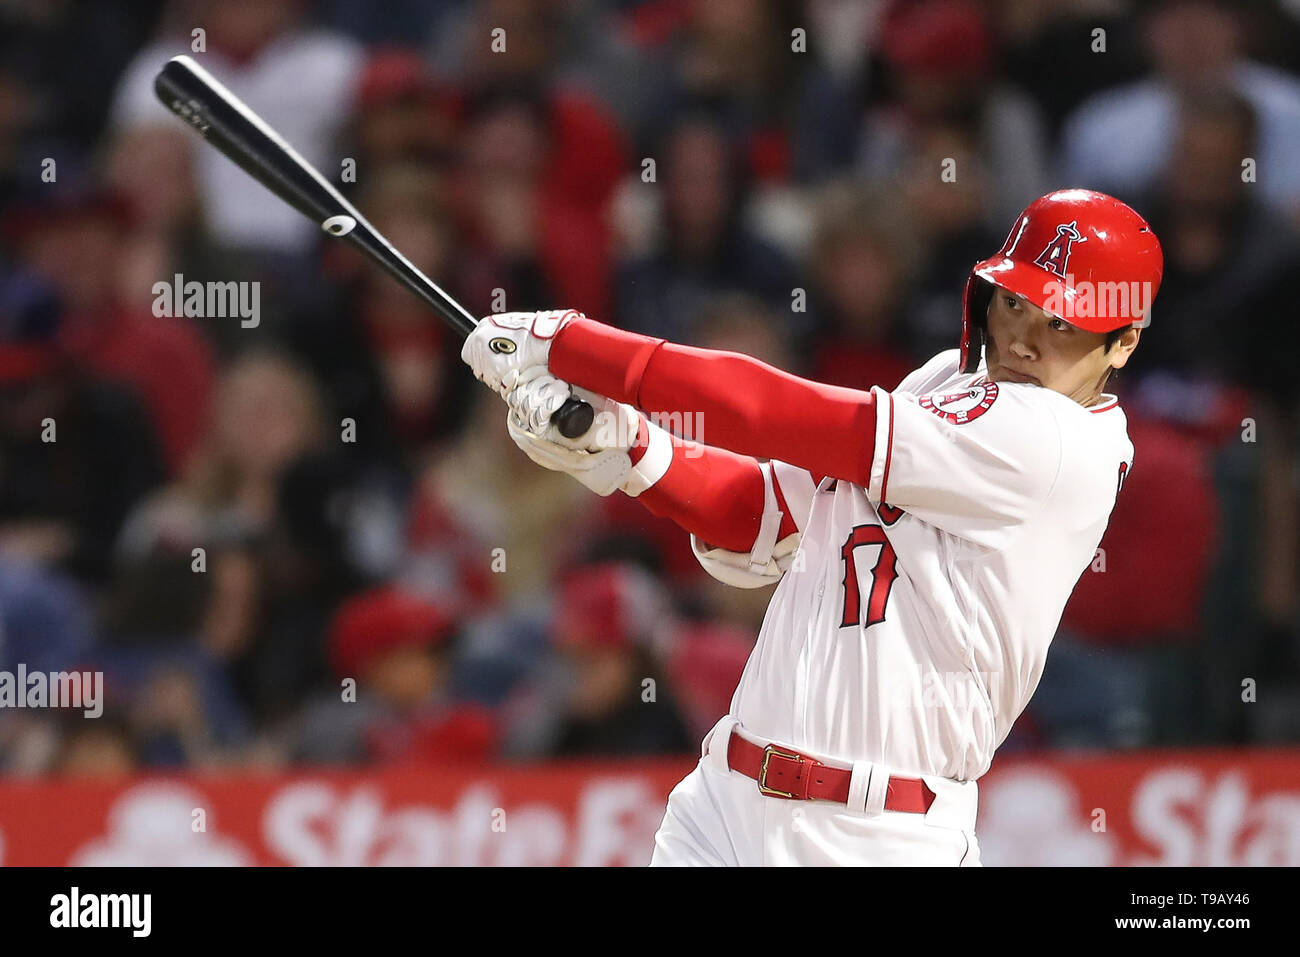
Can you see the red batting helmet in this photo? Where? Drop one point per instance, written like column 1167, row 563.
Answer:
column 1079, row 255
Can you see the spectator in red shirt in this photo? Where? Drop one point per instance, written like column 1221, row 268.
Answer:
column 75, row 241
column 534, row 183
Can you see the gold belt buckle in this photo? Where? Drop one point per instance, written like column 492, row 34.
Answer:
column 768, row 751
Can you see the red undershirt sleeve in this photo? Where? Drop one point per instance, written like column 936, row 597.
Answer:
column 716, row 495
column 737, row 402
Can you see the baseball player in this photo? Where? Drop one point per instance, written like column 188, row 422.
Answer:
column 925, row 540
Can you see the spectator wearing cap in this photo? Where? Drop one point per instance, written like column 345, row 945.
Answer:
column 397, row 648
column 560, row 58
column 612, row 697
column 580, row 51
column 403, row 114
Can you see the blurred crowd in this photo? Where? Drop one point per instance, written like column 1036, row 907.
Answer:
column 309, row 538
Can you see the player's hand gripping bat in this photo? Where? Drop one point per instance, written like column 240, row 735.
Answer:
column 223, row 120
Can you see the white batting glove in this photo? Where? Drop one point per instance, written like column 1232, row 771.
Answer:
column 535, row 395
column 503, row 344
column 601, row 459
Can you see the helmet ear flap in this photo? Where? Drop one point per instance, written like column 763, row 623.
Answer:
column 978, row 298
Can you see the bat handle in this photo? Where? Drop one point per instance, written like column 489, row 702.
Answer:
column 574, row 418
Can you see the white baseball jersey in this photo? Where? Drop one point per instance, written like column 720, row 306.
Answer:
column 914, row 624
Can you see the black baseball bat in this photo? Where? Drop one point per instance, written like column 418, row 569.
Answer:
column 221, row 118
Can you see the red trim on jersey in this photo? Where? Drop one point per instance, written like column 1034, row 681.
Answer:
column 889, row 453
column 1113, row 403
column 742, row 404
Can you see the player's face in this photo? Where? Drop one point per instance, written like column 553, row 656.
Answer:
column 1028, row 345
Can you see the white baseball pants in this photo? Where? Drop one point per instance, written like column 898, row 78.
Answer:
column 717, row 817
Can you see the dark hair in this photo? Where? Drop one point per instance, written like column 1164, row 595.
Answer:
column 1113, row 336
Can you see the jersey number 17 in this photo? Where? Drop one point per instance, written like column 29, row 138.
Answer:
column 883, row 574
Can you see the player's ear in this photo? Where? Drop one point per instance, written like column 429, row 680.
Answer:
column 1123, row 347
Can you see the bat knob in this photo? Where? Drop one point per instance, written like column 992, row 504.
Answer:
column 574, row 418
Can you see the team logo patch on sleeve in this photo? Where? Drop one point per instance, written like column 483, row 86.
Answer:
column 962, row 407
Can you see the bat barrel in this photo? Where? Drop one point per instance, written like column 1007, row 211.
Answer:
column 215, row 113
column 218, row 116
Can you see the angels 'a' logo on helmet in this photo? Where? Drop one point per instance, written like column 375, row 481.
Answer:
column 1055, row 257
column 962, row 407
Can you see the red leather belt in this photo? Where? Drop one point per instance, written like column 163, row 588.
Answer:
column 783, row 773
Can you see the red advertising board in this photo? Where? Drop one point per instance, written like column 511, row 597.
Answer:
column 1195, row 808
column 1189, row 808
column 586, row 814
